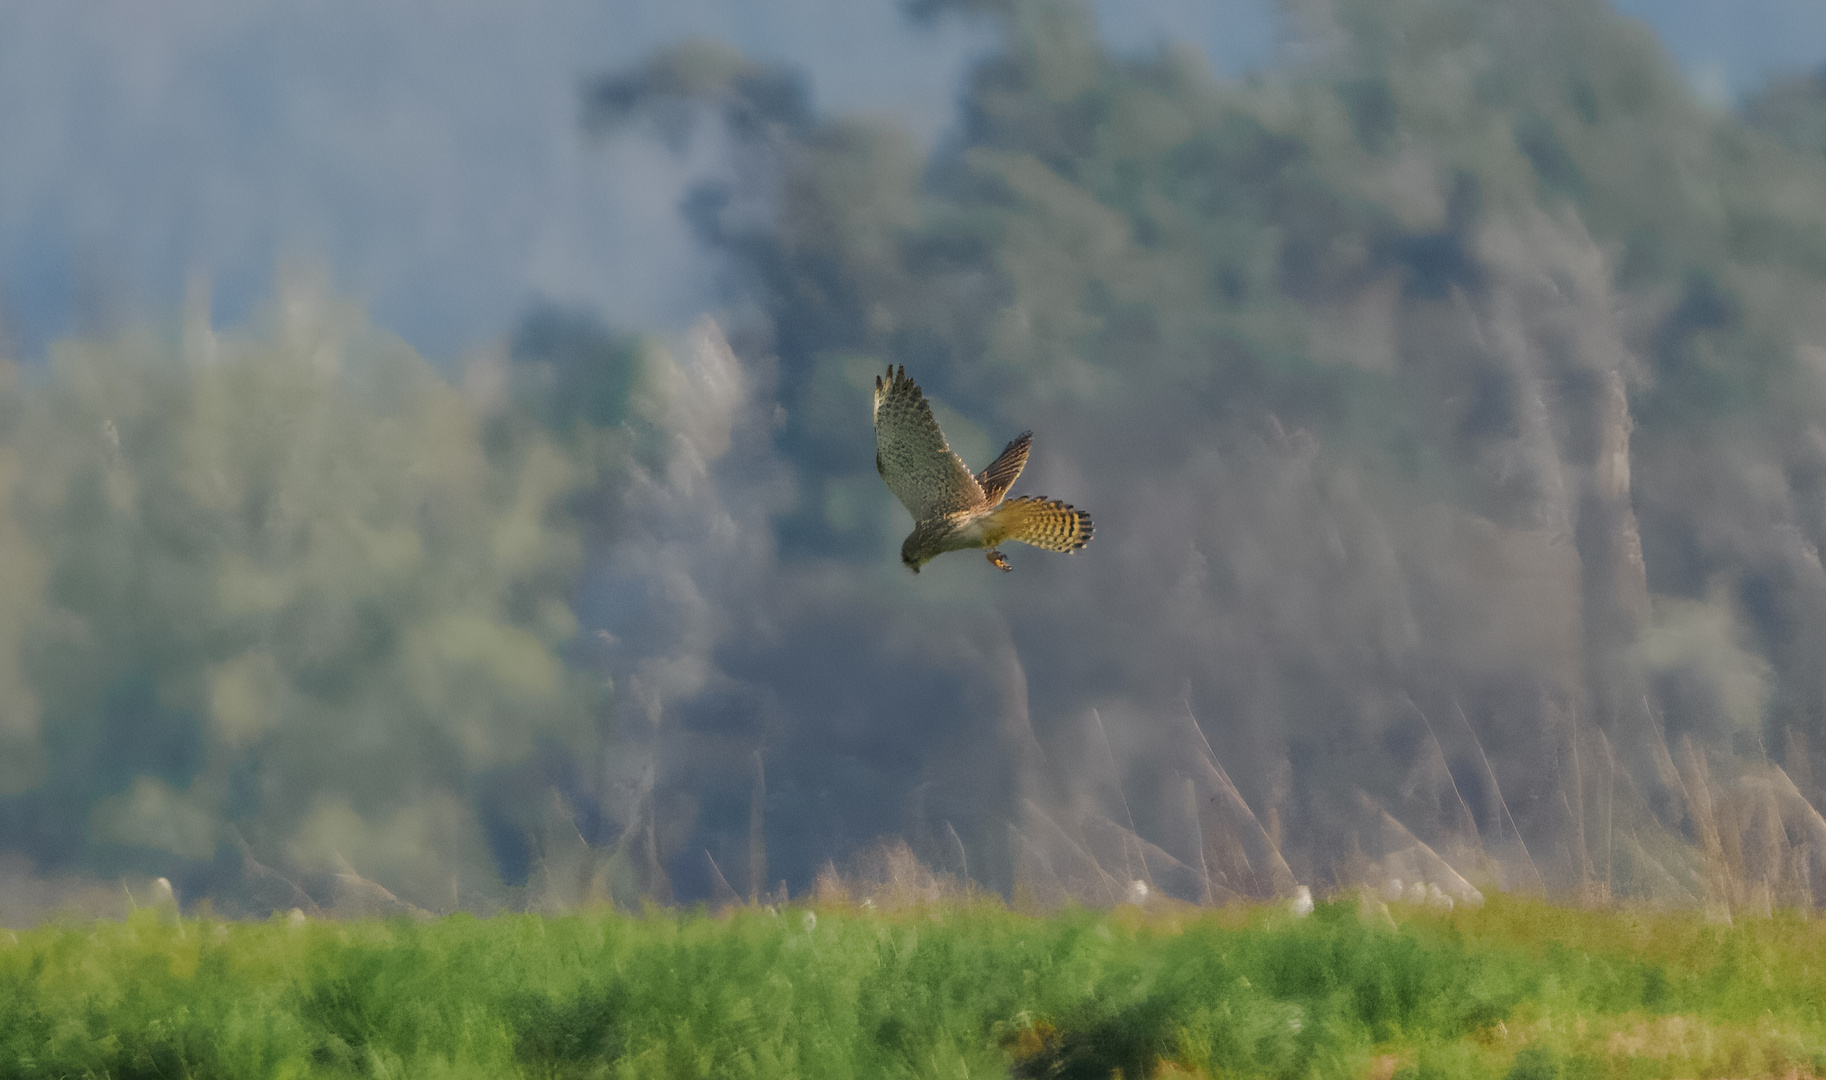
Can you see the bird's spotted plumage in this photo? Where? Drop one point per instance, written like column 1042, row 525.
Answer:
column 952, row 508
column 912, row 455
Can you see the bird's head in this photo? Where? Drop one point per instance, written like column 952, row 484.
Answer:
column 915, row 552
column 928, row 540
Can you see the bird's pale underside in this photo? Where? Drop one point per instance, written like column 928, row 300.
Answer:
column 954, row 509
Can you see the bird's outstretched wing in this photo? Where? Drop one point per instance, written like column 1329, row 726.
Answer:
column 1002, row 472
column 1042, row 522
column 911, row 453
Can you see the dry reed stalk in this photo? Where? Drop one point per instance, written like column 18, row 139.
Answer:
column 1198, row 829
column 1798, row 760
column 889, row 876
column 296, row 897
column 1813, row 821
column 1230, row 868
column 1770, row 839
column 1610, row 809
column 829, row 889
column 1156, row 862
column 725, row 895
column 1111, row 892
column 1281, row 875
column 962, row 856
column 1539, row 883
column 1664, row 760
column 1109, row 752
column 1731, row 828
column 356, row 895
column 1700, row 808
column 1439, row 753
column 1809, row 823
column 1438, row 870
column 1053, row 896
column 1641, row 855
column 1577, row 806
column 757, row 831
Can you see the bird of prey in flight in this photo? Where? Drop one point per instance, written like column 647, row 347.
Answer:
column 953, row 509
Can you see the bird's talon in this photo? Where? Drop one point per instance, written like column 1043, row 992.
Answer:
column 999, row 562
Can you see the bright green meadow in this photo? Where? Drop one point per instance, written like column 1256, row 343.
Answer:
column 1516, row 989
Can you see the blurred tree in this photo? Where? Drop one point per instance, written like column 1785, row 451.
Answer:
column 1472, row 358
column 299, row 597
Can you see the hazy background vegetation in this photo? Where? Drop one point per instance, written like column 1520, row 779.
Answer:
column 1448, row 393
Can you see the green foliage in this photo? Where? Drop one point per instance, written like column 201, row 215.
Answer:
column 936, row 991
column 571, row 371
column 289, row 593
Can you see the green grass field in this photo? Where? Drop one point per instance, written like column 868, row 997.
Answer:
column 1515, row 989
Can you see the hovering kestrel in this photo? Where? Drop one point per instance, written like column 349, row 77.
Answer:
column 953, row 510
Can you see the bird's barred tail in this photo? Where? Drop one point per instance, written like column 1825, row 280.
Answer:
column 1042, row 522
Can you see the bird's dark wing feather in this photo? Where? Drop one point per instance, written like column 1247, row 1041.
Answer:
column 1001, row 473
